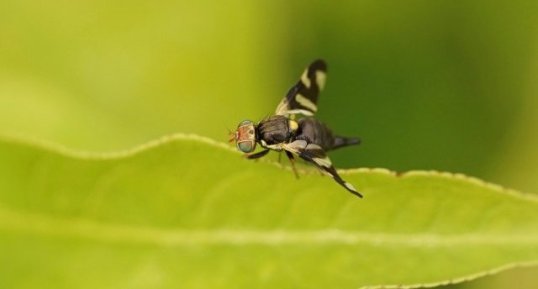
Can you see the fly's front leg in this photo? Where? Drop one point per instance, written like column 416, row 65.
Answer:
column 257, row 155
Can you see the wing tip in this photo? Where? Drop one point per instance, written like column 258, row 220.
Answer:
column 352, row 189
column 319, row 64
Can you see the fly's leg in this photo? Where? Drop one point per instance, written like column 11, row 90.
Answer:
column 292, row 161
column 257, row 155
column 315, row 154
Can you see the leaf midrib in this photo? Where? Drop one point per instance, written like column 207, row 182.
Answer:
column 38, row 224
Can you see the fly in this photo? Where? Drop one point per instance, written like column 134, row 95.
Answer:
column 305, row 137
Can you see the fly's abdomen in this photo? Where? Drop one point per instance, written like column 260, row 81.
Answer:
column 313, row 131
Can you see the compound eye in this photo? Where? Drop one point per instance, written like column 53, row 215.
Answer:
column 246, row 146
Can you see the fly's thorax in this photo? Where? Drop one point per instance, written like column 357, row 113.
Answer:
column 276, row 129
column 245, row 136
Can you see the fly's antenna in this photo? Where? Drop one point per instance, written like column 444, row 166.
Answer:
column 231, row 135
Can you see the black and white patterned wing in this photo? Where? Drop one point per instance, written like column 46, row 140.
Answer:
column 302, row 98
column 315, row 154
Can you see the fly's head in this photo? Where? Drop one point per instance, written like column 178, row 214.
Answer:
column 245, row 136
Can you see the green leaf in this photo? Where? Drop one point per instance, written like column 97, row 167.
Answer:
column 188, row 212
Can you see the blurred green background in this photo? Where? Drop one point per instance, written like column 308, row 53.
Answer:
column 444, row 85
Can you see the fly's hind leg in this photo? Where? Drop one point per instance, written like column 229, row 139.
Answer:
column 315, row 154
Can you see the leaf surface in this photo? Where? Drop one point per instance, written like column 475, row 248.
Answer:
column 188, row 212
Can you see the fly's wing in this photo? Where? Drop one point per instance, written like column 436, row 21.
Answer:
column 302, row 98
column 315, row 154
